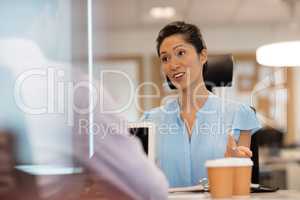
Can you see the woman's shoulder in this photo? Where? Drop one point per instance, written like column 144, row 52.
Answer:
column 238, row 106
column 240, row 115
column 230, row 105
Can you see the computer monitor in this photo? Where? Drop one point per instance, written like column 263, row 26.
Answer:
column 145, row 132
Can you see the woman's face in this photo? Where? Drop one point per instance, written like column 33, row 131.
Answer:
column 181, row 62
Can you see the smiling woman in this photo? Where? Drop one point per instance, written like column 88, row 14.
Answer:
column 194, row 127
column 182, row 54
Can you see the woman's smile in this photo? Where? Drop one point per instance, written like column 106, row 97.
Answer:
column 178, row 76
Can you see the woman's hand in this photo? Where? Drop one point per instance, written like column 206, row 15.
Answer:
column 233, row 150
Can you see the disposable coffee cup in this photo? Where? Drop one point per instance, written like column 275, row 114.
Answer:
column 242, row 176
column 220, row 177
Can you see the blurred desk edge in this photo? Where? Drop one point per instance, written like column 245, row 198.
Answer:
column 281, row 194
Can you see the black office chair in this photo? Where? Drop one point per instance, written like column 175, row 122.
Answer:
column 255, row 158
column 260, row 138
column 217, row 73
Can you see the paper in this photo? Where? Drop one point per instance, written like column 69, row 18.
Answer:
column 196, row 188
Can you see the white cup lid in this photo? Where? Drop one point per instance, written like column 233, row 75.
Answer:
column 229, row 162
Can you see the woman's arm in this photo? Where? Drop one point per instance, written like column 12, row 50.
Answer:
column 240, row 149
column 245, row 139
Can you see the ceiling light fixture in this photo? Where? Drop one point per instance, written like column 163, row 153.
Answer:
column 162, row 12
column 281, row 54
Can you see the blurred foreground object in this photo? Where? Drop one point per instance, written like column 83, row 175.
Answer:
column 7, row 163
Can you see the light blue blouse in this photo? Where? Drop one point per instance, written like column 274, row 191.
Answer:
column 181, row 157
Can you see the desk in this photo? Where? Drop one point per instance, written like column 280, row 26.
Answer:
column 281, row 194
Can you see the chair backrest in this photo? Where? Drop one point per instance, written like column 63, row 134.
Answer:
column 219, row 71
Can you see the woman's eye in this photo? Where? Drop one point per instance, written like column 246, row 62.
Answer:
column 164, row 59
column 181, row 53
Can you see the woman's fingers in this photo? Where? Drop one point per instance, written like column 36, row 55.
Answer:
column 239, row 151
column 231, row 144
column 233, row 150
column 243, row 152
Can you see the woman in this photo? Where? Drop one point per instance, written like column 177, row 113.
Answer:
column 194, row 127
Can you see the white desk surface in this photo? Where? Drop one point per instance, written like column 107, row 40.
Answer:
column 281, row 194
